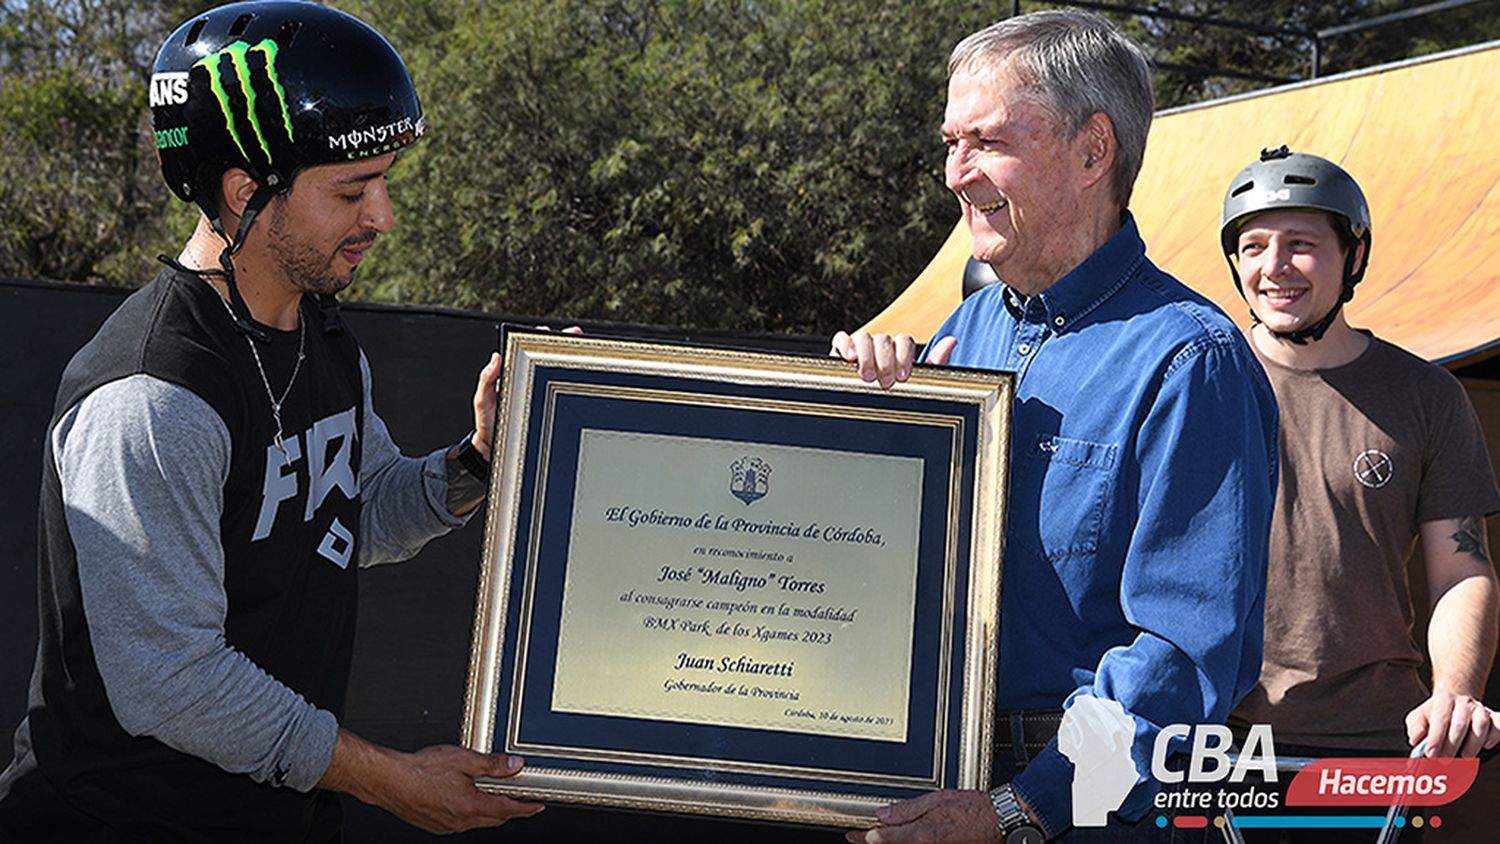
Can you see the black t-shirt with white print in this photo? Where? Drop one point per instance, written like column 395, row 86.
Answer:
column 287, row 527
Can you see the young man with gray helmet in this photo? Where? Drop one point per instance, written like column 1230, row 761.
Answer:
column 1380, row 450
column 216, row 475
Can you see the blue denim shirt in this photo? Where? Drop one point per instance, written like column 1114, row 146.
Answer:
column 1143, row 472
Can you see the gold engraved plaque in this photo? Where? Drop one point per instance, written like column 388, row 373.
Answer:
column 790, row 609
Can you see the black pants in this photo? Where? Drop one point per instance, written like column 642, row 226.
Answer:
column 32, row 810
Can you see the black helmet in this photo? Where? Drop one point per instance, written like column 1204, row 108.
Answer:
column 272, row 87
column 1283, row 179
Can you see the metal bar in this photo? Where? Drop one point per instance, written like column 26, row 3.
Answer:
column 1231, row 833
column 1152, row 11
column 1202, row 70
column 1391, row 17
column 1392, row 829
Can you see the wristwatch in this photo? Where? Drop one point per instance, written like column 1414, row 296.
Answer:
column 473, row 462
column 1015, row 826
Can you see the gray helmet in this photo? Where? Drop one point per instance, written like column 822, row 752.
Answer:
column 1285, row 179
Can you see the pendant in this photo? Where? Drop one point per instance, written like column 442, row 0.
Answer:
column 280, row 438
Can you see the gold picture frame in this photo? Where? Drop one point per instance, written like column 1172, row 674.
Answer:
column 737, row 583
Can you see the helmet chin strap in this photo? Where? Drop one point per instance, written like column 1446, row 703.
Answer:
column 244, row 323
column 1313, row 332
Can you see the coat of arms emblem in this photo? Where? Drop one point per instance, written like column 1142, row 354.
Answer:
column 749, row 479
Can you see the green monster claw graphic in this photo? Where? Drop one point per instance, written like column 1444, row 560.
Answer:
column 211, row 64
column 270, row 48
column 238, row 54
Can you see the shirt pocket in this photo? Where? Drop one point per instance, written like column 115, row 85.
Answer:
column 1070, row 479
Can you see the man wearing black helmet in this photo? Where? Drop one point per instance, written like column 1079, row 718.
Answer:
column 216, row 474
column 1380, row 450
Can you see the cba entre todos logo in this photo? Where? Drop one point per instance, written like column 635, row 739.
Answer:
column 1204, row 775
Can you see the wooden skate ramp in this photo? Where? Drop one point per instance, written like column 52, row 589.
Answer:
column 1416, row 135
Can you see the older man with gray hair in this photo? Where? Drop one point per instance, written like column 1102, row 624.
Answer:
column 1143, row 442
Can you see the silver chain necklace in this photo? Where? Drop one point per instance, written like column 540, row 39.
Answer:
column 276, row 403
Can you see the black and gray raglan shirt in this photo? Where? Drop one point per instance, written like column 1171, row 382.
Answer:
column 197, row 582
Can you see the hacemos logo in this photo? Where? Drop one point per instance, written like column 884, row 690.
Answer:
column 1382, row 782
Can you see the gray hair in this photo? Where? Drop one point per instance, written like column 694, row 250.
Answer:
column 1078, row 64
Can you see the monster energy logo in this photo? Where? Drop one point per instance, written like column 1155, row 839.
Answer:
column 238, row 55
column 386, row 138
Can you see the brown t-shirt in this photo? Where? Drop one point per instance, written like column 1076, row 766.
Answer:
column 1369, row 451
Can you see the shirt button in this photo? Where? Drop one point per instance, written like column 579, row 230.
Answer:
column 1024, row 348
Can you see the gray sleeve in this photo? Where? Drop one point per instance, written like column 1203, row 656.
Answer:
column 142, row 464
column 404, row 497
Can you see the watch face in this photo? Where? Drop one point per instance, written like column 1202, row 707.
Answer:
column 1025, row 835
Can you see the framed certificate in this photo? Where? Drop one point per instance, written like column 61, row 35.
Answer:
column 738, row 584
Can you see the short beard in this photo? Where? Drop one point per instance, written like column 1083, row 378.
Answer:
column 298, row 260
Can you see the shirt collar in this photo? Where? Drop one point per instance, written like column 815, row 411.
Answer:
column 1087, row 285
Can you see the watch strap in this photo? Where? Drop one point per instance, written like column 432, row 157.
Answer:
column 473, row 462
column 1015, row 825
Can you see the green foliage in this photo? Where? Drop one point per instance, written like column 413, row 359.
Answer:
column 758, row 166
column 80, row 194
column 744, row 164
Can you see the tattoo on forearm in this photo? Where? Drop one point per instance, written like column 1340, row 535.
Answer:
column 1471, row 538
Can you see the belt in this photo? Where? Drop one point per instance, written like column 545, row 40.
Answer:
column 1025, row 734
